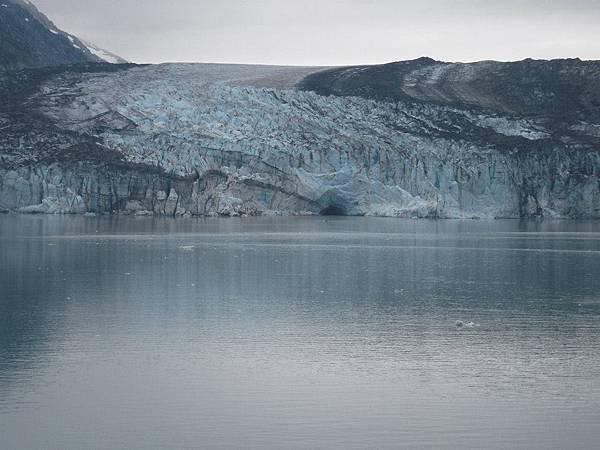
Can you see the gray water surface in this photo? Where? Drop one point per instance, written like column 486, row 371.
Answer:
column 298, row 333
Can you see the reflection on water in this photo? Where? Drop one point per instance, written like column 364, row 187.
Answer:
column 298, row 333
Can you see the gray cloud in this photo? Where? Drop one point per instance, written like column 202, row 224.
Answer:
column 323, row 32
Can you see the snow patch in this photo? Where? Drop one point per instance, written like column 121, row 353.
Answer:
column 103, row 54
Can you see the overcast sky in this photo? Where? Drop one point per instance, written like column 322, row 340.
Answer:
column 332, row 32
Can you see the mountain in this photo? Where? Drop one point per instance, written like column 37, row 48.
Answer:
column 28, row 39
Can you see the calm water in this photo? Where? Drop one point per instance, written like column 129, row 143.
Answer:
column 298, row 333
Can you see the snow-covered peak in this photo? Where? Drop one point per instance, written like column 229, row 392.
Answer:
column 42, row 43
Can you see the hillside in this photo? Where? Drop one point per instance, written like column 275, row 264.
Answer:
column 28, row 39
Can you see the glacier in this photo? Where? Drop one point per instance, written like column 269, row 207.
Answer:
column 235, row 140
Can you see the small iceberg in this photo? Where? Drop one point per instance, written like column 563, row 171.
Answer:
column 460, row 324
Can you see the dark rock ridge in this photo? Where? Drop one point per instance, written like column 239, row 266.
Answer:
column 559, row 90
column 28, row 39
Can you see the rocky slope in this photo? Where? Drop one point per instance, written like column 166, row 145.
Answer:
column 560, row 90
column 29, row 39
column 434, row 140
